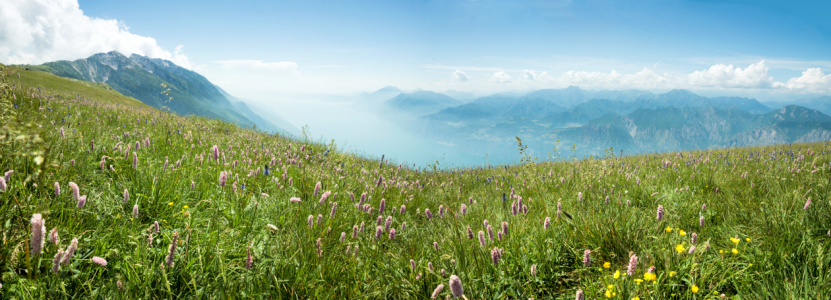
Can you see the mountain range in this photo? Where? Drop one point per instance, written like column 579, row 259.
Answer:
column 141, row 77
column 593, row 121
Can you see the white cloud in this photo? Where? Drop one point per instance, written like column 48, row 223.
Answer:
column 812, row 80
column 721, row 76
column 754, row 77
column 258, row 65
column 501, row 77
column 37, row 31
column 717, row 76
column 458, row 75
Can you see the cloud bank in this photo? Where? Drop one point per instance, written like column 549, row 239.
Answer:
column 718, row 77
column 38, row 31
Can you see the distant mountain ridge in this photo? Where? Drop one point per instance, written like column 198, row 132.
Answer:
column 141, row 77
column 635, row 120
column 420, row 103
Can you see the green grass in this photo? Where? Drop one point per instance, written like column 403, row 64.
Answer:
column 782, row 253
column 67, row 87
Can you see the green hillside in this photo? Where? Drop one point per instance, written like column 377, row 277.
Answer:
column 68, row 87
column 740, row 223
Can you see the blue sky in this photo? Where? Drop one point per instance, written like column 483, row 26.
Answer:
column 257, row 48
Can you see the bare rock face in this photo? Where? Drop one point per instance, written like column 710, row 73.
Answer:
column 758, row 136
column 816, row 135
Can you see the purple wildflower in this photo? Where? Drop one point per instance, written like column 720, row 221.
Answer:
column 67, row 255
column 437, row 291
column 633, row 266
column 587, row 259
column 75, row 191
column 38, row 233
column 99, row 261
column 56, row 261
column 53, row 236
column 482, row 238
column 249, row 260
column 456, row 286
column 171, row 251
column 660, row 212
column 388, row 223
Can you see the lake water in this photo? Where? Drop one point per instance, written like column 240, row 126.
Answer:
column 364, row 133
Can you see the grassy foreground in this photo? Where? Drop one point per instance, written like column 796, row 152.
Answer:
column 369, row 229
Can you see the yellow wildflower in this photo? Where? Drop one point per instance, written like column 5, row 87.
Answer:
column 672, row 273
column 607, row 265
column 682, row 233
column 610, row 287
column 638, row 281
column 694, row 289
column 636, row 298
column 617, row 274
column 720, row 251
column 608, row 294
column 735, row 240
column 668, row 229
column 170, row 204
column 186, row 207
column 747, row 239
column 649, row 276
column 679, row 248
column 735, row 251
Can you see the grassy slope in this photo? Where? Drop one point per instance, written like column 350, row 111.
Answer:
column 69, row 87
column 781, row 251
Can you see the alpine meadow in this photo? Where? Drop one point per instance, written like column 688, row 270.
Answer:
column 104, row 197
